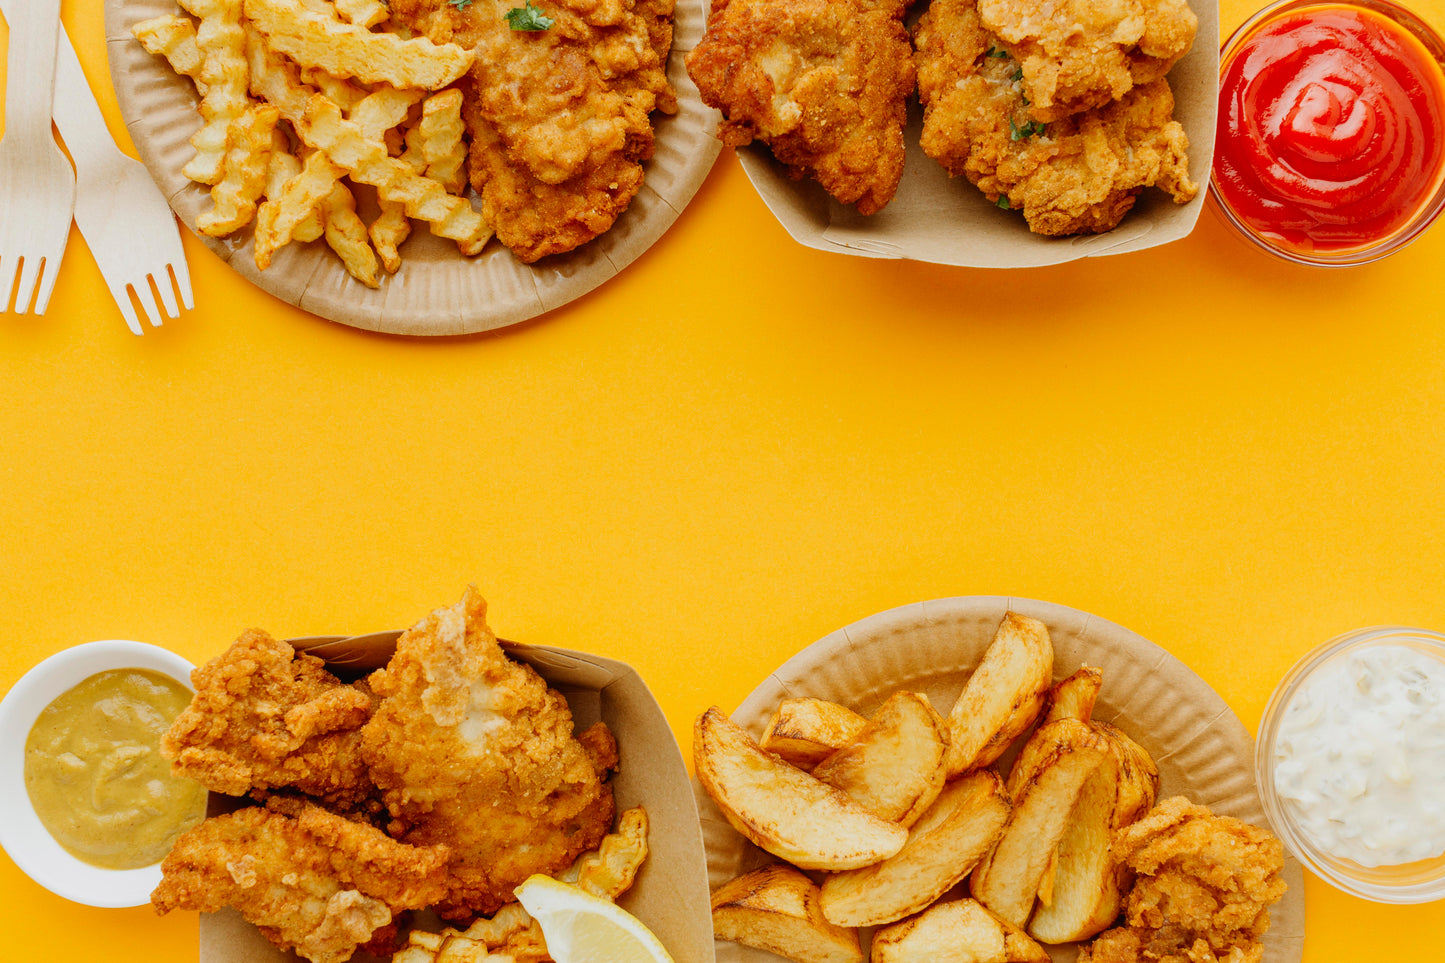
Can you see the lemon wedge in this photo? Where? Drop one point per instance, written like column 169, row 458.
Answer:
column 582, row 928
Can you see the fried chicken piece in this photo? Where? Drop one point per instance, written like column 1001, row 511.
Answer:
column 473, row 749
column 560, row 119
column 1078, row 54
column 1079, row 175
column 822, row 82
column 1202, row 892
column 265, row 717
column 308, row 879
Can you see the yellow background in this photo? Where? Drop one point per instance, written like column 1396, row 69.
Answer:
column 733, row 448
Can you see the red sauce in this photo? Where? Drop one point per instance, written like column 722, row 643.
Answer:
column 1330, row 127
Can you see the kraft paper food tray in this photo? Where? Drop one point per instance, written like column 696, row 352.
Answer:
column 670, row 894
column 1202, row 749
column 947, row 220
column 437, row 291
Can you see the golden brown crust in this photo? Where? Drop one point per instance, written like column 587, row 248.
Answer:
column 474, row 750
column 1077, row 175
column 308, row 879
column 1202, row 892
column 1079, row 54
column 560, row 119
column 823, row 83
column 265, row 718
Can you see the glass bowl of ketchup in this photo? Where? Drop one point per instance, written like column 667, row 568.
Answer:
column 1330, row 147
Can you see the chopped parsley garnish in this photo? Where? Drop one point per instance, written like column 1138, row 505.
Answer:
column 1002, row 202
column 530, row 17
column 1016, row 132
column 996, row 52
column 1016, row 76
column 460, row 4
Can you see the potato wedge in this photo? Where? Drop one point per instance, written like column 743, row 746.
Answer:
column 894, row 767
column 804, row 732
column 783, row 809
column 1089, row 884
column 1044, row 785
column 1074, row 697
column 1083, row 880
column 1003, row 696
column 959, row 931
column 944, row 845
column 1138, row 776
column 775, row 908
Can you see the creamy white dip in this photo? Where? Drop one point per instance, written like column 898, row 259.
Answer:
column 1360, row 756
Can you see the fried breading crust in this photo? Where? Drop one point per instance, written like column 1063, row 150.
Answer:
column 560, row 119
column 824, row 83
column 1202, row 892
column 474, row 750
column 1077, row 175
column 308, row 879
column 1078, row 54
column 265, row 718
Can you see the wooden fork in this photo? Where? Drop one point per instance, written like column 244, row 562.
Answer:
column 37, row 186
column 122, row 215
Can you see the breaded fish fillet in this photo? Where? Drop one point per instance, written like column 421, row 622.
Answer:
column 308, row 879
column 473, row 750
column 821, row 82
column 1078, row 54
column 1077, row 175
column 560, row 118
column 265, row 718
column 1202, row 892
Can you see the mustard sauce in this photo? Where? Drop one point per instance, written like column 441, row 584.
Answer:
column 96, row 776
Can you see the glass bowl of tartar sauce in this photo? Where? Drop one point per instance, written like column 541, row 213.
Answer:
column 1351, row 763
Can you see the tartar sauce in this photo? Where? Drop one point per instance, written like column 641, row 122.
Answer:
column 1360, row 756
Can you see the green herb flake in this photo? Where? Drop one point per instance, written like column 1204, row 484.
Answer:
column 460, row 4
column 996, row 52
column 1015, row 132
column 1016, row 76
column 1002, row 202
column 530, row 18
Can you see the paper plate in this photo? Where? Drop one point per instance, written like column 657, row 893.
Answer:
column 437, row 291
column 1202, row 749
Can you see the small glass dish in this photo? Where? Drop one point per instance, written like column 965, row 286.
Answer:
column 22, row 835
column 1422, row 881
column 1367, row 251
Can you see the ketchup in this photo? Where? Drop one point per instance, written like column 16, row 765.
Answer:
column 1330, row 131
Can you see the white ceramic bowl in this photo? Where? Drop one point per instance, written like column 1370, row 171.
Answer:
column 22, row 835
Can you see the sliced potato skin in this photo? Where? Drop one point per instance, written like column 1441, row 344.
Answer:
column 1084, row 899
column 775, row 908
column 1138, row 776
column 806, row 731
column 894, row 766
column 1044, row 785
column 1003, row 696
column 782, row 809
column 958, row 931
column 943, row 846
column 1089, row 885
column 1074, row 697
